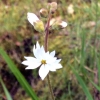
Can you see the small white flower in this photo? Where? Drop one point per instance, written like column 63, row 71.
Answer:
column 45, row 60
column 58, row 23
column 63, row 24
column 36, row 22
column 32, row 18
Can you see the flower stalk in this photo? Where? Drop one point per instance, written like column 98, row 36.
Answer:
column 46, row 48
column 45, row 60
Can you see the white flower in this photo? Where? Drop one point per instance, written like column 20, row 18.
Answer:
column 32, row 18
column 45, row 60
column 63, row 24
column 58, row 23
column 36, row 22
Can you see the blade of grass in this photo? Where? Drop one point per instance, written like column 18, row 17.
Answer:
column 97, row 87
column 5, row 90
column 83, row 40
column 18, row 75
column 83, row 85
column 98, row 66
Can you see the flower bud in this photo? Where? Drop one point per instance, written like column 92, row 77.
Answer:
column 70, row 9
column 53, row 7
column 44, row 13
column 39, row 26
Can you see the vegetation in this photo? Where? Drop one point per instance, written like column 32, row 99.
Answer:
column 78, row 45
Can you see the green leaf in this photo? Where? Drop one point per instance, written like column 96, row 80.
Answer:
column 83, row 85
column 18, row 75
column 5, row 90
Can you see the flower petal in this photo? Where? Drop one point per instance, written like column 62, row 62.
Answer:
column 37, row 45
column 39, row 53
column 63, row 24
column 55, row 66
column 36, row 48
column 31, row 62
column 50, row 67
column 52, row 53
column 50, row 59
column 29, row 58
column 47, row 52
column 58, row 60
column 32, row 18
column 58, row 66
column 43, row 71
column 33, row 66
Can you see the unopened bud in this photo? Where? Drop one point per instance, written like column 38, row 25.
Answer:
column 39, row 26
column 70, row 9
column 53, row 7
column 44, row 13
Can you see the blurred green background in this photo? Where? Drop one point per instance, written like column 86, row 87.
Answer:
column 78, row 45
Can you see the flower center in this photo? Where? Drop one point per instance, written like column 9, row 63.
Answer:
column 43, row 62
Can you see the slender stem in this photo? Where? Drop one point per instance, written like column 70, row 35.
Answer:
column 50, row 87
column 46, row 49
column 95, row 34
column 47, row 33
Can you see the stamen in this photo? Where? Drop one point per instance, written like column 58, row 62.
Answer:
column 43, row 62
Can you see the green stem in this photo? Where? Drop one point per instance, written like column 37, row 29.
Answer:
column 50, row 87
column 46, row 49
